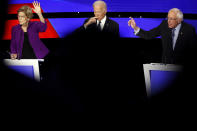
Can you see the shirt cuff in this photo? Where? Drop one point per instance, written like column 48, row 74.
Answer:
column 136, row 31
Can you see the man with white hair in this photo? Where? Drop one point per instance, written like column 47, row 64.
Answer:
column 178, row 37
column 100, row 22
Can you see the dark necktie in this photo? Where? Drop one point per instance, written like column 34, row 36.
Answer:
column 99, row 26
column 173, row 43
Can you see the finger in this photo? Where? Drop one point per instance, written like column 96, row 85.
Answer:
column 95, row 17
column 12, row 57
column 33, row 4
column 37, row 3
column 131, row 19
column 129, row 22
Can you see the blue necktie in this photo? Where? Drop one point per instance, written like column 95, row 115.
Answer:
column 173, row 43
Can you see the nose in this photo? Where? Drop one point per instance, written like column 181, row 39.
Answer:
column 96, row 14
column 19, row 18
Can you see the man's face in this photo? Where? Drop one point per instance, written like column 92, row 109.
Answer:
column 173, row 21
column 22, row 18
column 99, row 11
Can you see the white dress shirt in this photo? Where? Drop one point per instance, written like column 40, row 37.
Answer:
column 176, row 34
column 102, row 22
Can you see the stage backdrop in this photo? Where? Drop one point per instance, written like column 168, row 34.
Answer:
column 60, row 27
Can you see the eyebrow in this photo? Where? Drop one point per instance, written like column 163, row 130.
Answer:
column 21, row 15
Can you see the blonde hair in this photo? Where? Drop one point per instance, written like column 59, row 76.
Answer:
column 27, row 10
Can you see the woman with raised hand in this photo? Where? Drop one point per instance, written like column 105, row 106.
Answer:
column 25, row 41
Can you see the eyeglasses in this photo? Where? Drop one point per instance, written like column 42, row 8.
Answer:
column 169, row 18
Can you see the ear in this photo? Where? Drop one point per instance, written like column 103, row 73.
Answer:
column 180, row 20
column 105, row 11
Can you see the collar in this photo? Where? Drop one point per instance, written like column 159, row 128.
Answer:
column 29, row 24
column 178, row 27
column 103, row 20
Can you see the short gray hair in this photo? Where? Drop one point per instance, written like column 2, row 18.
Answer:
column 178, row 12
column 100, row 2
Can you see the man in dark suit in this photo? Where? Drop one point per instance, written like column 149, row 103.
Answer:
column 100, row 23
column 99, row 33
column 178, row 37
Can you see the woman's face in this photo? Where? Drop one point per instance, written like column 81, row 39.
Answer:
column 22, row 18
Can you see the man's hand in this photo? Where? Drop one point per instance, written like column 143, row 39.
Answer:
column 13, row 56
column 90, row 21
column 132, row 23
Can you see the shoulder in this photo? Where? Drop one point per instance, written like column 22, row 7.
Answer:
column 16, row 27
column 108, row 20
column 187, row 26
column 36, row 23
column 86, row 20
column 164, row 23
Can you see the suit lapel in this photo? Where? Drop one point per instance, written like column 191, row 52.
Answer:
column 106, row 24
column 179, row 36
column 170, row 38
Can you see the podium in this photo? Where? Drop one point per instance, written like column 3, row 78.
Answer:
column 27, row 67
column 159, row 76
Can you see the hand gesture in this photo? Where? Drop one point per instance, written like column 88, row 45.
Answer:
column 13, row 56
column 90, row 21
column 37, row 8
column 132, row 23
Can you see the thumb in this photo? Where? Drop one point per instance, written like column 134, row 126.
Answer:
column 33, row 9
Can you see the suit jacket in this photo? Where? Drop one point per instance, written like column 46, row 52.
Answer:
column 110, row 29
column 33, row 30
column 185, row 44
